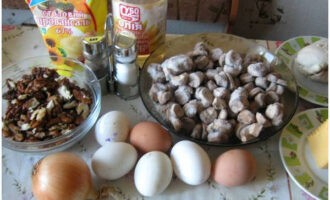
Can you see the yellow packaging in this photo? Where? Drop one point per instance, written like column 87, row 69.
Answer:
column 64, row 23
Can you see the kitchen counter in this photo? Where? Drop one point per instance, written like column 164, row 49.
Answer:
column 271, row 182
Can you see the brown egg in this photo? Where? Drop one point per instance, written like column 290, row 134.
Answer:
column 150, row 136
column 234, row 167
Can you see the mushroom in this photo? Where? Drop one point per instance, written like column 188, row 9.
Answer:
column 223, row 114
column 253, row 92
column 246, row 78
column 183, row 94
column 200, row 49
column 271, row 77
column 222, row 59
column 221, row 92
column 195, row 79
column 279, row 89
column 176, row 123
column 275, row 113
column 210, row 73
column 249, row 86
column 192, row 108
column 197, row 131
column 156, row 72
column 246, row 132
column 178, row 80
column 261, row 81
column 208, row 115
column 233, row 59
column 246, row 117
column 175, row 110
column 261, row 119
column 203, row 62
column 219, row 103
column 221, row 79
column 231, row 81
column 260, row 99
column 204, row 95
column 176, row 65
column 238, row 100
column 156, row 90
column 257, row 69
column 215, row 54
column 211, row 85
column 188, row 125
column 271, row 97
column 164, row 97
column 219, row 131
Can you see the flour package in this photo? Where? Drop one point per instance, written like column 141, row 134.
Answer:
column 64, row 23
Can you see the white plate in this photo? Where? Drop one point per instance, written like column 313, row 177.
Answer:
column 296, row 155
column 309, row 90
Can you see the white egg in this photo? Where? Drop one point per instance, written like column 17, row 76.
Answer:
column 153, row 173
column 112, row 127
column 114, row 160
column 191, row 163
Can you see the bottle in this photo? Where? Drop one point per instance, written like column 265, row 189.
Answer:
column 145, row 18
column 96, row 58
column 126, row 70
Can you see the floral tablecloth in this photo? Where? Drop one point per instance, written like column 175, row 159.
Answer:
column 271, row 182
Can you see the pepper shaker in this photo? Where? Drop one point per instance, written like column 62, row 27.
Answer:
column 126, row 70
column 95, row 53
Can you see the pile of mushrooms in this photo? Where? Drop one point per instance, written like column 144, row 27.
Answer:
column 214, row 95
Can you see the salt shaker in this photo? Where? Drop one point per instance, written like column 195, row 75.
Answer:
column 96, row 58
column 126, row 70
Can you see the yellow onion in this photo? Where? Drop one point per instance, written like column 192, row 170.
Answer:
column 62, row 176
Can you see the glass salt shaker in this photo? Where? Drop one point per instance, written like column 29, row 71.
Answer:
column 126, row 70
column 96, row 58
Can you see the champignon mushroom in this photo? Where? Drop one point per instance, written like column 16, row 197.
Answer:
column 275, row 113
column 195, row 79
column 204, row 95
column 219, row 131
column 238, row 100
column 257, row 69
column 181, row 79
column 183, row 94
column 246, row 117
column 177, row 64
column 192, row 108
column 208, row 115
column 156, row 72
column 175, row 110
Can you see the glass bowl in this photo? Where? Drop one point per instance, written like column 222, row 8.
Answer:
column 226, row 42
column 79, row 74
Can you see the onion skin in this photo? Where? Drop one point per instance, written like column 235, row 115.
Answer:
column 62, row 175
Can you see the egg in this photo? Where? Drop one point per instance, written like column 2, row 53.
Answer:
column 234, row 167
column 112, row 127
column 153, row 173
column 114, row 160
column 191, row 163
column 150, row 136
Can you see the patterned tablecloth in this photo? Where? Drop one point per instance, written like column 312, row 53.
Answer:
column 271, row 182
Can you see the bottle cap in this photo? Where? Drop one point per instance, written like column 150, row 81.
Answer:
column 94, row 46
column 125, row 47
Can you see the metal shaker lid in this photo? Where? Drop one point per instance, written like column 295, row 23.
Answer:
column 125, row 47
column 94, row 46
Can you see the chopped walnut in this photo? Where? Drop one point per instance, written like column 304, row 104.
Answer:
column 42, row 101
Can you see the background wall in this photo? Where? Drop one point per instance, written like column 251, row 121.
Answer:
column 281, row 19
column 257, row 19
